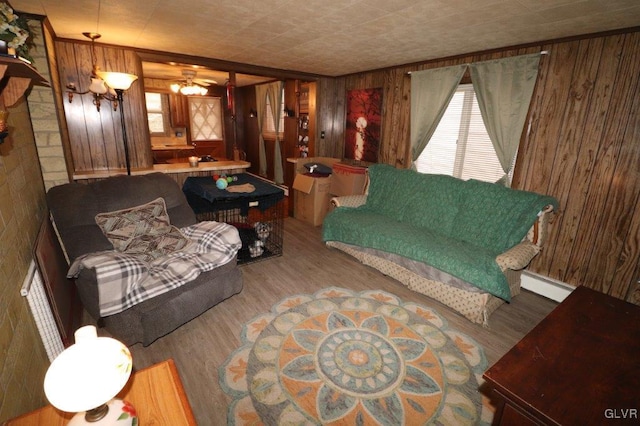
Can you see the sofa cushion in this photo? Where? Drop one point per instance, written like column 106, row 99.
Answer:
column 144, row 230
column 425, row 200
column 471, row 263
column 435, row 203
column 125, row 280
column 494, row 216
column 78, row 230
column 482, row 213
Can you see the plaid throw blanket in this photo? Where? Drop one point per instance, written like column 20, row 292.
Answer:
column 127, row 279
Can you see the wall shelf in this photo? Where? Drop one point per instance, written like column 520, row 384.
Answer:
column 16, row 77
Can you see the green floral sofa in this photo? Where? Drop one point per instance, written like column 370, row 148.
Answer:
column 460, row 242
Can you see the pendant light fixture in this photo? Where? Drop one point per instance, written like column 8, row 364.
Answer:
column 97, row 87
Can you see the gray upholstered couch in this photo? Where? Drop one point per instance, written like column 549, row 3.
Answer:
column 73, row 208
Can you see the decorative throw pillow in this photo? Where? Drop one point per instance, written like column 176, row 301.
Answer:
column 142, row 230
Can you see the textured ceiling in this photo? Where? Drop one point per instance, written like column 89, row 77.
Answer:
column 330, row 37
column 204, row 76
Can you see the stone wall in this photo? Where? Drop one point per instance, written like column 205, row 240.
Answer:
column 23, row 359
column 45, row 119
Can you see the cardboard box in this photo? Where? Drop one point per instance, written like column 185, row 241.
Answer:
column 311, row 193
column 348, row 180
column 311, row 198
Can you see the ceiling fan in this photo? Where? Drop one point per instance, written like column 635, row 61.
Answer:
column 192, row 85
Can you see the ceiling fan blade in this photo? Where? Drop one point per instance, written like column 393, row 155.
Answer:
column 204, row 81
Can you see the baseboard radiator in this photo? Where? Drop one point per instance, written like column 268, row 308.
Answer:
column 545, row 286
column 33, row 290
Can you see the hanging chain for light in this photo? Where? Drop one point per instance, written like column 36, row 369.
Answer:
column 97, row 87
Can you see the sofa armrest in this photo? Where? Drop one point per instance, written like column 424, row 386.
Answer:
column 349, row 201
column 518, row 256
column 538, row 232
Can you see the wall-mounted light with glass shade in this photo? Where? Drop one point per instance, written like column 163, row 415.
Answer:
column 98, row 89
column 107, row 85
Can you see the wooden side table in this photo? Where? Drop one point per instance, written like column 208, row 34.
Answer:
column 578, row 366
column 156, row 392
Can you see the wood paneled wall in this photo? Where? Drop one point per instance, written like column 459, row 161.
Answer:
column 583, row 148
column 95, row 138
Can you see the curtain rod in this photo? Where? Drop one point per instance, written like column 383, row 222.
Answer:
column 542, row 52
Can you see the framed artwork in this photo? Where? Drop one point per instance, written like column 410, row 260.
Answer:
column 364, row 118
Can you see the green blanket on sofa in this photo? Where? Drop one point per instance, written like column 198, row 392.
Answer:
column 457, row 226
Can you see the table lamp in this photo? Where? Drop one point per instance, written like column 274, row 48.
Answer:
column 85, row 378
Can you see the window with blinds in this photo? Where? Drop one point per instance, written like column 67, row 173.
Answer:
column 205, row 115
column 460, row 146
column 269, row 126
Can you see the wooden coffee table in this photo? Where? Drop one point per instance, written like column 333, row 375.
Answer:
column 579, row 366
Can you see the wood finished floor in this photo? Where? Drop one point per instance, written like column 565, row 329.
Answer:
column 306, row 266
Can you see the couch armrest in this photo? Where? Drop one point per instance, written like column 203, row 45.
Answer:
column 538, row 232
column 518, row 256
column 349, row 200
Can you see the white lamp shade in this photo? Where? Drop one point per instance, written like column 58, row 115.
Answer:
column 97, row 86
column 193, row 89
column 118, row 80
column 87, row 374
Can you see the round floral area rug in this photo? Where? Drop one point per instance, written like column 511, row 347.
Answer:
column 347, row 358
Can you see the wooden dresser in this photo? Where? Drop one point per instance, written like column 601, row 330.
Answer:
column 579, row 366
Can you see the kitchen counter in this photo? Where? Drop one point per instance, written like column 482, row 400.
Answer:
column 177, row 168
column 170, row 147
column 239, row 166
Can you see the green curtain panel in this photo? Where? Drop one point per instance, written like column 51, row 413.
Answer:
column 261, row 106
column 504, row 88
column 431, row 92
column 274, row 91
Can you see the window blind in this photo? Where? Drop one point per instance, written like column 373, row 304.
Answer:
column 460, row 146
